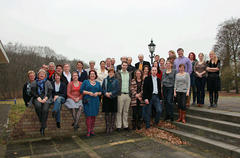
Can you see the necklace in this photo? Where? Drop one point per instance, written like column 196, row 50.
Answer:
column 92, row 82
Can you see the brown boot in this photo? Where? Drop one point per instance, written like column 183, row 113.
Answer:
column 179, row 115
column 188, row 101
column 183, row 116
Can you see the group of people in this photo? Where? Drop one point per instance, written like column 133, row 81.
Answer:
column 144, row 87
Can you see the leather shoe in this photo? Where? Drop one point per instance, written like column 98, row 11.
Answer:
column 118, row 129
column 58, row 125
column 42, row 132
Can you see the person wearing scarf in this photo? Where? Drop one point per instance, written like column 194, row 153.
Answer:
column 51, row 71
column 41, row 90
column 110, row 88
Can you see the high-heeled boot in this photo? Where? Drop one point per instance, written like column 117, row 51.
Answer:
column 179, row 115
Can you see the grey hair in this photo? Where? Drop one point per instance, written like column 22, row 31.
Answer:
column 51, row 63
column 41, row 70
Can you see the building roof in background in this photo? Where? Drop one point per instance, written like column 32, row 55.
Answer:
column 3, row 56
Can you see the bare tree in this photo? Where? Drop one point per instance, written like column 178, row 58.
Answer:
column 228, row 47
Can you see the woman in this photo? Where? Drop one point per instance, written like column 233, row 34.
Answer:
column 102, row 72
column 193, row 60
column 27, row 97
column 213, row 79
column 110, row 88
column 41, row 90
column 91, row 90
column 162, row 64
column 136, row 99
column 171, row 53
column 200, row 74
column 181, row 91
column 74, row 100
column 168, row 81
column 59, row 96
column 146, row 71
column 159, row 72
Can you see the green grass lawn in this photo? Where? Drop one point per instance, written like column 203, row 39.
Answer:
column 15, row 112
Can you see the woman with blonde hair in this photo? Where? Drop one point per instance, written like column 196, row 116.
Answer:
column 41, row 90
column 200, row 74
column 213, row 79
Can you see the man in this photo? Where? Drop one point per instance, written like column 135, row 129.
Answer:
column 141, row 63
column 91, row 66
column 113, row 64
column 130, row 68
column 51, row 71
column 44, row 67
column 124, row 80
column 152, row 96
column 123, row 59
column 183, row 60
column 157, row 58
column 108, row 63
column 82, row 74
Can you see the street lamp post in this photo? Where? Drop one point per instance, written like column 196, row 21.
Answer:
column 151, row 48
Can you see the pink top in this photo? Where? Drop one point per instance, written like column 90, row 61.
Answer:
column 74, row 92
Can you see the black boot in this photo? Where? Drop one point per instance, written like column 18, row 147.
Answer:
column 134, row 124
column 42, row 131
column 166, row 117
column 216, row 98
column 107, row 120
column 58, row 125
column 211, row 99
column 139, row 124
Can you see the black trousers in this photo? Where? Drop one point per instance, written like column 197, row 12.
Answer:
column 168, row 100
column 42, row 112
column 181, row 100
column 137, row 112
column 200, row 82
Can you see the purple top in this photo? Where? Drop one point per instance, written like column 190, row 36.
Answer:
column 185, row 61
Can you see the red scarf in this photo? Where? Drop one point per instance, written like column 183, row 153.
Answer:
column 51, row 72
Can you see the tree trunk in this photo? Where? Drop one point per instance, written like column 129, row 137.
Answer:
column 235, row 76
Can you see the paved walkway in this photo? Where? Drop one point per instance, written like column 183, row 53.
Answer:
column 118, row 145
column 226, row 103
column 4, row 108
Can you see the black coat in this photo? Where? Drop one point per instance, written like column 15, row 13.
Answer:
column 84, row 76
column 62, row 90
column 119, row 67
column 148, row 88
column 64, row 79
column 144, row 63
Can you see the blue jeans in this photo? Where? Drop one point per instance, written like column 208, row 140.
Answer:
column 200, row 82
column 168, row 100
column 147, row 110
column 57, row 106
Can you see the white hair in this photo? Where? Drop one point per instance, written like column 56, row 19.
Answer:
column 52, row 63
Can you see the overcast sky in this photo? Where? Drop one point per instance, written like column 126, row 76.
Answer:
column 96, row 29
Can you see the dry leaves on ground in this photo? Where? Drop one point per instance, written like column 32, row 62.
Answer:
column 160, row 134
